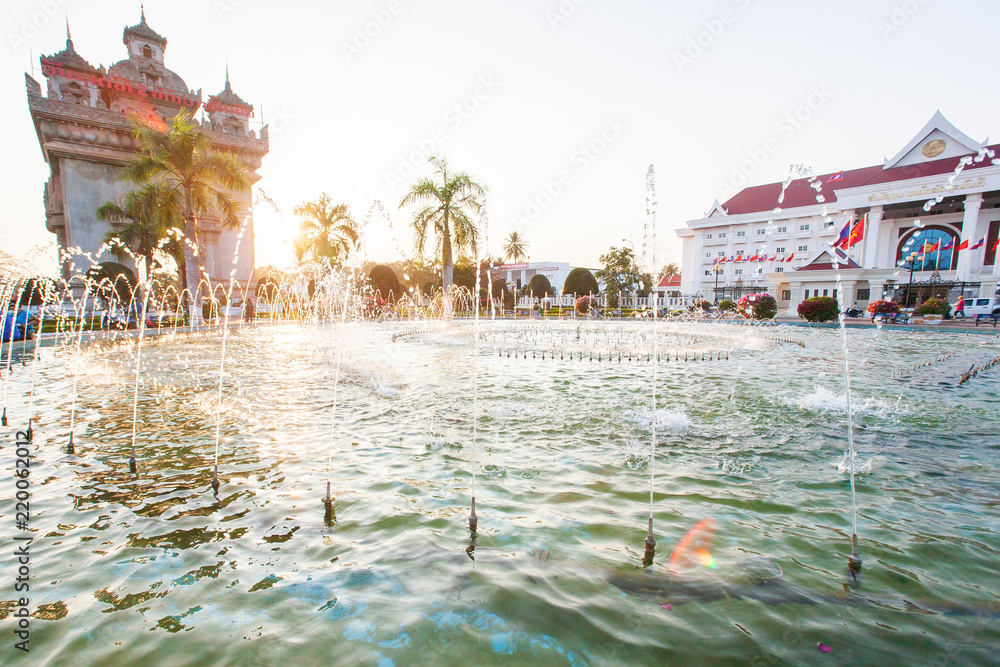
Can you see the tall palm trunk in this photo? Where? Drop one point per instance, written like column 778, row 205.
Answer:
column 447, row 261
column 192, row 266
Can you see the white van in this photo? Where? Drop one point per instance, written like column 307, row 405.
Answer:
column 979, row 306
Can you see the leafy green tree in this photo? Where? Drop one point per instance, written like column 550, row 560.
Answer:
column 580, row 282
column 182, row 157
column 618, row 273
column 667, row 271
column 383, row 282
column 449, row 200
column 327, row 232
column 147, row 217
column 515, row 247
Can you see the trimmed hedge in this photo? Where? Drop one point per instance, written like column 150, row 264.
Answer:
column 819, row 309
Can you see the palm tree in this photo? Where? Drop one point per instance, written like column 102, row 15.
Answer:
column 148, row 214
column 449, row 203
column 182, row 158
column 327, row 232
column 516, row 247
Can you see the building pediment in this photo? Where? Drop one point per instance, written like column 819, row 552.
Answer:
column 938, row 140
column 829, row 259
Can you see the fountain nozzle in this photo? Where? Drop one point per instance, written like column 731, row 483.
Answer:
column 215, row 478
column 473, row 519
column 650, row 551
column 328, row 501
column 3, row 419
column 854, row 560
column 70, row 448
column 30, row 433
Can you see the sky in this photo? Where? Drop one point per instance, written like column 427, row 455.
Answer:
column 559, row 107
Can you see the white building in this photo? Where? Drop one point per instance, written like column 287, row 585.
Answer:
column 520, row 274
column 941, row 188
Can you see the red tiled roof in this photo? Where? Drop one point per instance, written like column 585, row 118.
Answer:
column 800, row 192
column 671, row 281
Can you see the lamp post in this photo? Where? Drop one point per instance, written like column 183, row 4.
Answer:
column 912, row 260
column 632, row 274
column 715, row 294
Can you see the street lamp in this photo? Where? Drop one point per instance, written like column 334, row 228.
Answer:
column 718, row 269
column 912, row 260
column 632, row 275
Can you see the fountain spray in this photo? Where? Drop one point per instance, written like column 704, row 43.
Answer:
column 138, row 361
column 650, row 549
column 473, row 519
column 82, row 316
column 10, row 353
column 854, row 560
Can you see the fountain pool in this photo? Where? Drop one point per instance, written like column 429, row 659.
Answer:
column 751, row 432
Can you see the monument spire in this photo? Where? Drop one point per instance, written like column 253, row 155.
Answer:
column 68, row 35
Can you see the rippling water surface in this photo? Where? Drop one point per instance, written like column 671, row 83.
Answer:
column 154, row 568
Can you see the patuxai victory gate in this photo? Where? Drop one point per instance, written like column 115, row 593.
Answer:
column 82, row 122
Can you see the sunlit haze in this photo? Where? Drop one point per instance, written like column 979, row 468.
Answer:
column 558, row 107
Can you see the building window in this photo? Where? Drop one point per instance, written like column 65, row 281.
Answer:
column 761, row 232
column 147, row 52
column 707, row 254
column 834, row 294
column 721, row 253
column 722, row 235
column 708, row 236
column 707, row 272
column 782, row 230
column 804, row 228
column 825, row 293
column 780, row 269
column 741, row 233
column 803, row 248
column 807, row 294
column 864, row 294
column 782, row 249
column 786, row 295
column 760, row 269
column 738, row 272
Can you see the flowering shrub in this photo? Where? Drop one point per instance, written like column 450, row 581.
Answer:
column 883, row 307
column 819, row 309
column 702, row 305
column 585, row 304
column 726, row 304
column 934, row 306
column 760, row 306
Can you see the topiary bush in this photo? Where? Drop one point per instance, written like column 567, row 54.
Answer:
column 702, row 305
column 383, row 282
column 883, row 307
column 500, row 291
column 727, row 304
column 539, row 286
column 934, row 306
column 580, row 282
column 819, row 309
column 760, row 306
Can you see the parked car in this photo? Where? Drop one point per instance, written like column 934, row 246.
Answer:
column 987, row 305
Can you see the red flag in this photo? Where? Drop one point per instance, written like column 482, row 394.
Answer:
column 995, row 243
column 773, row 257
column 931, row 247
column 963, row 245
column 857, row 232
column 790, row 257
column 754, row 258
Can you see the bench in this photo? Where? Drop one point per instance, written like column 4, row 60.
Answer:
column 980, row 316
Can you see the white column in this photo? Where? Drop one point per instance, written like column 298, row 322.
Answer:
column 873, row 235
column 795, row 287
column 972, row 229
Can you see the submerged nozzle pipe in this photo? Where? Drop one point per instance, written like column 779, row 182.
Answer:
column 328, row 501
column 131, row 463
column 215, row 478
column 473, row 519
column 650, row 550
column 70, row 448
column 31, row 434
column 854, row 560
column 3, row 420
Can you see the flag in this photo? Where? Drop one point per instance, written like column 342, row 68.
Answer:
column 951, row 244
column 930, row 247
column 845, row 233
column 979, row 243
column 962, row 246
column 994, row 246
column 790, row 257
column 715, row 261
column 857, row 232
column 839, row 176
column 754, row 258
column 773, row 257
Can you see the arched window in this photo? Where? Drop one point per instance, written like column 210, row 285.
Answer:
column 931, row 245
column 147, row 52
